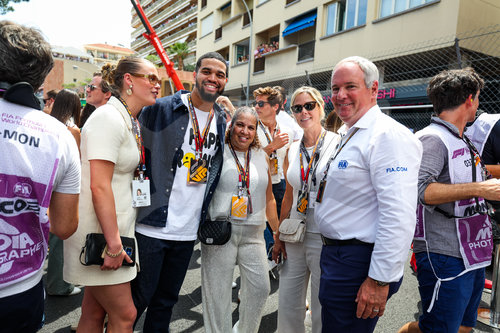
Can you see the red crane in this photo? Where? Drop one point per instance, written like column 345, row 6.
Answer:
column 152, row 37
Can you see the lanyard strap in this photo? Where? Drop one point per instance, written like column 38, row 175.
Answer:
column 475, row 160
column 337, row 151
column 266, row 132
column 136, row 129
column 244, row 173
column 304, row 176
column 199, row 138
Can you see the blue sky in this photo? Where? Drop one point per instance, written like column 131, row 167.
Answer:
column 76, row 22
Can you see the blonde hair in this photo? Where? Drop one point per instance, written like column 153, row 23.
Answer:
column 315, row 94
column 114, row 74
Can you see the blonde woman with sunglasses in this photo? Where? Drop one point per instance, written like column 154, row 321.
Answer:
column 303, row 167
column 112, row 155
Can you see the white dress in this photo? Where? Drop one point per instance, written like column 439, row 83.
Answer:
column 107, row 135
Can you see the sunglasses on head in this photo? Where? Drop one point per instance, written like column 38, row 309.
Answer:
column 309, row 106
column 92, row 87
column 260, row 103
column 153, row 79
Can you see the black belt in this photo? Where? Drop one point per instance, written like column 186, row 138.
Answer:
column 341, row 242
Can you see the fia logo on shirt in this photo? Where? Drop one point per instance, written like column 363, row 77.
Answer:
column 343, row 164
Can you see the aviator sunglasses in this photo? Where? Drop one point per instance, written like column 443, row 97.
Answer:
column 153, row 79
column 309, row 106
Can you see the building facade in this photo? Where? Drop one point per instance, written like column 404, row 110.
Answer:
column 297, row 42
column 105, row 53
column 173, row 20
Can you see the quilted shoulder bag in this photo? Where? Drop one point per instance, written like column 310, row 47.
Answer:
column 217, row 232
column 292, row 230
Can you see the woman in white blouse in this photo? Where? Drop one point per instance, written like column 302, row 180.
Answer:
column 303, row 168
column 245, row 179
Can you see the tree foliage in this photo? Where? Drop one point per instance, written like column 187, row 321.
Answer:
column 5, row 7
column 180, row 52
column 153, row 58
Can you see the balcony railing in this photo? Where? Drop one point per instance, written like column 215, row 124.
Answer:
column 169, row 12
column 141, row 41
column 177, row 20
column 167, row 41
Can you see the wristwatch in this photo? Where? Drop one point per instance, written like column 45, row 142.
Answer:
column 380, row 283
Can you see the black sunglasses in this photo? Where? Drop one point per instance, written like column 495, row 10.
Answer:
column 260, row 103
column 153, row 79
column 92, row 87
column 309, row 106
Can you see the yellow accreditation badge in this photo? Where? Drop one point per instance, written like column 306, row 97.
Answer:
column 197, row 172
column 239, row 207
column 302, row 202
column 273, row 165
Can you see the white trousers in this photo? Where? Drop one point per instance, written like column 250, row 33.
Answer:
column 247, row 249
column 303, row 261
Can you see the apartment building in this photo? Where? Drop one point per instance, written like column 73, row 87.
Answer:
column 173, row 20
column 73, row 68
column 105, row 53
column 297, row 42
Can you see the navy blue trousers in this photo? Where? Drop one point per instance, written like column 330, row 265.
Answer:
column 164, row 264
column 343, row 270
column 23, row 312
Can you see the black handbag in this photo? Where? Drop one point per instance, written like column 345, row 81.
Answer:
column 93, row 250
column 216, row 232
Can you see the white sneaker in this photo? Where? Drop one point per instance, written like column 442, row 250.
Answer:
column 75, row 291
column 234, row 285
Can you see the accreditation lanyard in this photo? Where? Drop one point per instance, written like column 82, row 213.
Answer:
column 199, row 138
column 475, row 156
column 475, row 160
column 268, row 135
column 241, row 205
column 312, row 161
column 339, row 148
column 136, row 129
column 244, row 173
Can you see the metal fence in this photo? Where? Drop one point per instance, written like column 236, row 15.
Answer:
column 406, row 71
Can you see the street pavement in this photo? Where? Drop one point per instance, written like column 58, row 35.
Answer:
column 404, row 306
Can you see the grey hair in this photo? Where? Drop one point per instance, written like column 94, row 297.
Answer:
column 237, row 114
column 369, row 69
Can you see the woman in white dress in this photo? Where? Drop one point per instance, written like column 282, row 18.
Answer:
column 245, row 176
column 111, row 151
column 303, row 167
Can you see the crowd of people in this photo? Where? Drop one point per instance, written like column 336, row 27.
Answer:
column 130, row 184
column 265, row 48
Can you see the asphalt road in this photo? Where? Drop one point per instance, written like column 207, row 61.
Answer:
column 61, row 312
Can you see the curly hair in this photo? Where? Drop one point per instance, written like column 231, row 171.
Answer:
column 237, row 114
column 451, row 88
column 25, row 56
column 273, row 96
